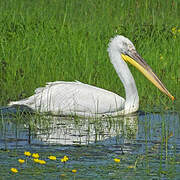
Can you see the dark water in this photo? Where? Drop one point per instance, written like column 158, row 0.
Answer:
column 152, row 138
column 133, row 132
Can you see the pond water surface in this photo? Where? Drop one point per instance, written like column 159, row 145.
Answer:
column 150, row 142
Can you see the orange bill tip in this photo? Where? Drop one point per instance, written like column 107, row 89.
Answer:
column 172, row 98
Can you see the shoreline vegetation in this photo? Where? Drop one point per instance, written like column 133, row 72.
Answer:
column 46, row 41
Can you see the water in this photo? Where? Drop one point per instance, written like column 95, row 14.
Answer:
column 133, row 130
column 151, row 139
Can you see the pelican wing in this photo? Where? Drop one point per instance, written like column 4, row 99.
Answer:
column 67, row 98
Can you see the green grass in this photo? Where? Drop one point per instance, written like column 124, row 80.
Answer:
column 49, row 40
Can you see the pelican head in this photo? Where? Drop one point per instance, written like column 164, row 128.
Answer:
column 129, row 54
column 122, row 44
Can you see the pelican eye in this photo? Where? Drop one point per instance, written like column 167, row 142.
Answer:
column 130, row 47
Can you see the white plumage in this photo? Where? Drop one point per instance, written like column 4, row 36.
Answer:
column 76, row 98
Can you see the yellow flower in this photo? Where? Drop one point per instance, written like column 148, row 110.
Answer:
column 117, row 160
column 36, row 160
column 52, row 157
column 64, row 159
column 130, row 167
column 74, row 170
column 27, row 153
column 14, row 170
column 21, row 161
column 35, row 155
column 39, row 161
column 42, row 162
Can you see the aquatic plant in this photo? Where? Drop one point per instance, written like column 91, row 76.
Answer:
column 36, row 160
column 42, row 162
column 52, row 158
column 35, row 155
column 27, row 153
column 14, row 170
column 117, row 160
column 74, row 171
column 131, row 167
column 21, row 161
column 64, row 159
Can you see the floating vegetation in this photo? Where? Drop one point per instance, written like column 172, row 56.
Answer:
column 64, row 159
column 14, row 170
column 74, row 171
column 35, row 155
column 117, row 160
column 21, row 161
column 27, row 153
column 52, row 158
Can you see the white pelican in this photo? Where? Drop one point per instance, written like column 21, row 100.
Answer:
column 76, row 98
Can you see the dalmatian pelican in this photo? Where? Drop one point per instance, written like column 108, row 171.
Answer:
column 76, row 98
